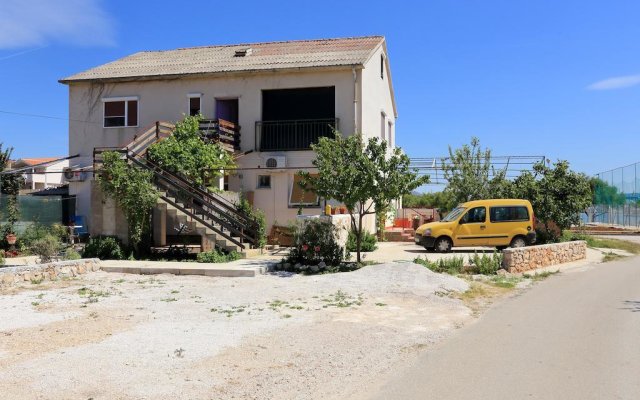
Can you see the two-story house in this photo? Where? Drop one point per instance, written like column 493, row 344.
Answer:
column 275, row 99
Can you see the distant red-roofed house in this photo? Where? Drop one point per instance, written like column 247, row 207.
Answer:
column 41, row 173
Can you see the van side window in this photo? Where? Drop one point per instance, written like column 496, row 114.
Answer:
column 475, row 215
column 508, row 214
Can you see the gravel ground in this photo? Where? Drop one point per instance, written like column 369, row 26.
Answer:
column 116, row 336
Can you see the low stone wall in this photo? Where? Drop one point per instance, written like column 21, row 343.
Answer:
column 527, row 258
column 52, row 271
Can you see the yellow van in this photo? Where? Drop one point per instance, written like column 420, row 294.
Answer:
column 497, row 223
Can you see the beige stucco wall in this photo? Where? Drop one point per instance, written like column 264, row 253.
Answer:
column 377, row 98
column 168, row 100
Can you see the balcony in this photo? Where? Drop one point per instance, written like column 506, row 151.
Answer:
column 293, row 135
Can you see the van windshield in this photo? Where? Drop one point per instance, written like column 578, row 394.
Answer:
column 454, row 214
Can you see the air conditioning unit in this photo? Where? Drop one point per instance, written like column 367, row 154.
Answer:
column 276, row 162
column 71, row 175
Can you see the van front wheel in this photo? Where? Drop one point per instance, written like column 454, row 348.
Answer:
column 518, row 241
column 443, row 245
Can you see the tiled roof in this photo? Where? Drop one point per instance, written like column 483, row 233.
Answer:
column 35, row 161
column 220, row 59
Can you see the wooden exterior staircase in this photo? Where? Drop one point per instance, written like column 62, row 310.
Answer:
column 202, row 211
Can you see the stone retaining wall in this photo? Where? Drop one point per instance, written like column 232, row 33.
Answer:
column 527, row 258
column 52, row 271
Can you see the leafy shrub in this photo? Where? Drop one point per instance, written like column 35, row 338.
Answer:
column 46, row 247
column 216, row 256
column 453, row 265
column 487, row 264
column 369, row 242
column 316, row 242
column 71, row 254
column 258, row 216
column 104, row 248
column 1, row 257
column 31, row 234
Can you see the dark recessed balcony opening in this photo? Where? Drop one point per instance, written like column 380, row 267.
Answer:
column 294, row 119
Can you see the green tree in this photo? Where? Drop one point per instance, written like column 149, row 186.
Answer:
column 471, row 176
column 603, row 194
column 443, row 201
column 9, row 185
column 558, row 195
column 133, row 190
column 186, row 153
column 365, row 178
column 606, row 194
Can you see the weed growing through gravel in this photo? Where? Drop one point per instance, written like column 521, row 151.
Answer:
column 230, row 312
column 36, row 281
column 35, row 303
column 179, row 352
column 380, row 304
column 611, row 256
column 540, row 275
column 169, row 299
column 40, row 296
column 91, row 295
column 341, row 299
column 506, row 282
column 118, row 281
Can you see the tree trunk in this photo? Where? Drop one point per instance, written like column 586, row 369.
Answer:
column 359, row 239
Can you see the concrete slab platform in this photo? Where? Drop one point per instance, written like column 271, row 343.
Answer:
column 238, row 268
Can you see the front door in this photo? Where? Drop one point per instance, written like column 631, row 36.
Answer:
column 227, row 109
column 471, row 230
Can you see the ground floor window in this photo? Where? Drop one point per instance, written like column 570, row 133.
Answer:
column 298, row 196
column 264, row 181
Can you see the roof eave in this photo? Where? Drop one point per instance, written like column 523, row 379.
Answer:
column 66, row 81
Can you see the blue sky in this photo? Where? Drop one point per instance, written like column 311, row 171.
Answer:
column 560, row 79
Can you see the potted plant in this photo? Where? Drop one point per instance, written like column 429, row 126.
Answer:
column 12, row 218
column 11, row 238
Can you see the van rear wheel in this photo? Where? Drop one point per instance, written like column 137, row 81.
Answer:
column 443, row 245
column 518, row 241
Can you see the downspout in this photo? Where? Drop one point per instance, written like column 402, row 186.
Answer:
column 355, row 100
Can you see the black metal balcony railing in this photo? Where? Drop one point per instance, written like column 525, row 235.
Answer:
column 292, row 134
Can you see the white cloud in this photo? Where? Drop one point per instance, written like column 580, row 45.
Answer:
column 26, row 23
column 618, row 82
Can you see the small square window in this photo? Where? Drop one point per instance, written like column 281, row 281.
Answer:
column 264, row 181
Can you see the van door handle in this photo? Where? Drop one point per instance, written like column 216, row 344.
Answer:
column 483, row 226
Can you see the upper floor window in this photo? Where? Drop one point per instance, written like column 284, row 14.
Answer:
column 381, row 66
column 120, row 112
column 194, row 103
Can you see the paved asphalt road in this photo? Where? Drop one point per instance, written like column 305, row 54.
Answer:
column 572, row 336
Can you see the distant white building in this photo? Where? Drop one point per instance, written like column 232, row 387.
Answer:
column 41, row 173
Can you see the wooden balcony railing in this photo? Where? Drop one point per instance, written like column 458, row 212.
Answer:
column 293, row 134
column 222, row 131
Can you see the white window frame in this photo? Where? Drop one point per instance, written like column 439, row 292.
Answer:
column 126, row 100
column 193, row 96
column 258, row 181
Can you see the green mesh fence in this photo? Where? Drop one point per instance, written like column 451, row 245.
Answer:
column 616, row 199
column 46, row 210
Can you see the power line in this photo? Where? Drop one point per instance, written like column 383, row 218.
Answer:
column 46, row 116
